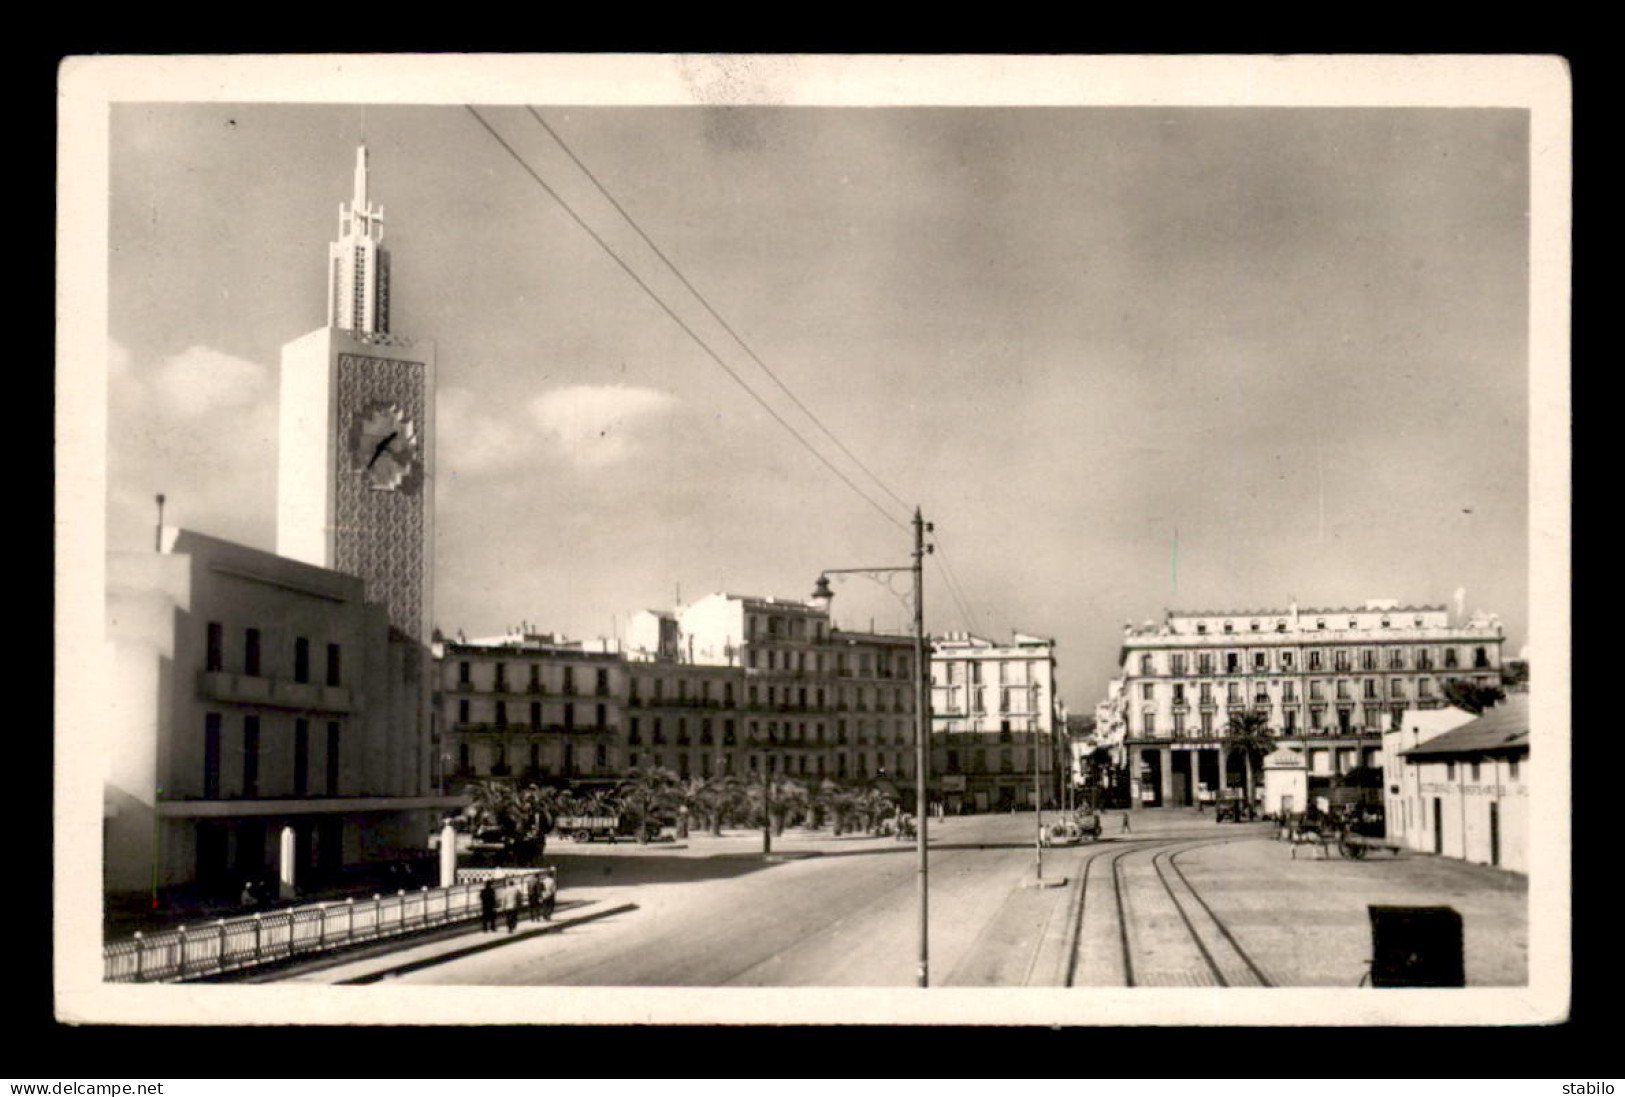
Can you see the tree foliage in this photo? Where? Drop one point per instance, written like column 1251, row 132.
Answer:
column 1470, row 696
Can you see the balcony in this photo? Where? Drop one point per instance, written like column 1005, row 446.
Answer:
column 245, row 689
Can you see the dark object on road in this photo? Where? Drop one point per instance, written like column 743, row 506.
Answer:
column 1416, row 947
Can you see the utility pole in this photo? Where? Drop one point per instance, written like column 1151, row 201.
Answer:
column 922, row 752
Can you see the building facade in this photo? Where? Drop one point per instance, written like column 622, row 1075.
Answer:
column 995, row 741
column 1468, row 792
column 253, row 693
column 726, row 685
column 532, row 706
column 1328, row 682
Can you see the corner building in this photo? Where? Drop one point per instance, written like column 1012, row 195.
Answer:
column 1330, row 682
column 994, row 721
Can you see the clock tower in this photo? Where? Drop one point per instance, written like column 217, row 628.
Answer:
column 355, row 484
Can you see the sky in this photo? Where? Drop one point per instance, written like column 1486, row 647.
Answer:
column 1125, row 359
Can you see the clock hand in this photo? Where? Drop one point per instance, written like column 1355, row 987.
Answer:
column 378, row 451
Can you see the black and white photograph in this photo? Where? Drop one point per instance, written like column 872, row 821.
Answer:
column 841, row 539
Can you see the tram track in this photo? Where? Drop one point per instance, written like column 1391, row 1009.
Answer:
column 1153, row 927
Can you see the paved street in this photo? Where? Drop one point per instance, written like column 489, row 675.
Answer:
column 1179, row 901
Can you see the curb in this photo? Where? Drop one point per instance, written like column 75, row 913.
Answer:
column 483, row 946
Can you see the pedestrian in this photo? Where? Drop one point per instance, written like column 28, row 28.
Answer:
column 248, row 900
column 488, row 908
column 510, row 905
column 535, row 897
column 1126, row 829
column 550, row 892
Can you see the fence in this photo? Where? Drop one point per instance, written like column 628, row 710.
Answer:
column 237, row 943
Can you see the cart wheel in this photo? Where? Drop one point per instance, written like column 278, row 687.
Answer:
column 1351, row 849
column 583, row 836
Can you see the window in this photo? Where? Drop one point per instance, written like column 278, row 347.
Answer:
column 1475, row 772
column 1145, row 664
column 501, row 677
column 1289, row 690
column 1207, row 723
column 1424, row 687
column 462, row 711
column 1320, row 622
column 1371, row 688
column 301, row 659
column 251, row 756
column 1291, row 720
column 1342, row 690
column 1232, row 662
column 217, row 647
column 1396, row 687
column 1233, row 693
column 598, row 719
column 633, row 735
column 463, row 671
column 211, row 756
column 1228, row 627
column 1261, row 660
column 535, row 715
column 535, row 683
column 502, row 714
column 251, row 653
column 1368, row 659
column 569, row 679
column 1204, row 662
column 1286, row 660
column 1396, row 659
column 1207, row 693
column 1340, row 660
column 301, row 757
column 1176, row 663
column 1201, row 630
column 1147, row 691
column 1450, row 771
column 1179, row 693
column 1512, row 769
column 1315, row 662
column 1150, row 723
column 569, row 718
column 1450, row 656
column 1179, row 724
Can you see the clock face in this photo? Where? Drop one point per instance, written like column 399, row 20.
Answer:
column 384, row 445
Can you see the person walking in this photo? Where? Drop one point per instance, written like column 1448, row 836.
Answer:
column 534, row 894
column 1126, row 828
column 549, row 890
column 488, row 908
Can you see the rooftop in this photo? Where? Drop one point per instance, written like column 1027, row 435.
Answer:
column 1503, row 728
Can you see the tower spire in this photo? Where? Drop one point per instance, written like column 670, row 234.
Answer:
column 358, row 265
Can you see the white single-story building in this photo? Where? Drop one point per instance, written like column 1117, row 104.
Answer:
column 1472, row 789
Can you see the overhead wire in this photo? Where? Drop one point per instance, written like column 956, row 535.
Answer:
column 704, row 303
column 678, row 320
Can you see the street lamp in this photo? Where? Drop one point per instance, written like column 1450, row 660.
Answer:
column 922, row 756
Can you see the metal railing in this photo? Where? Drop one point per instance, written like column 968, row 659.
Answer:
column 235, row 944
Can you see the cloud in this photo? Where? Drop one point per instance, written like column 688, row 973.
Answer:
column 200, row 380
column 471, row 439
column 597, row 425
column 199, row 426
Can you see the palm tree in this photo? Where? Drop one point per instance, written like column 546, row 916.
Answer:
column 727, row 797
column 792, row 801
column 647, row 795
column 1249, row 732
